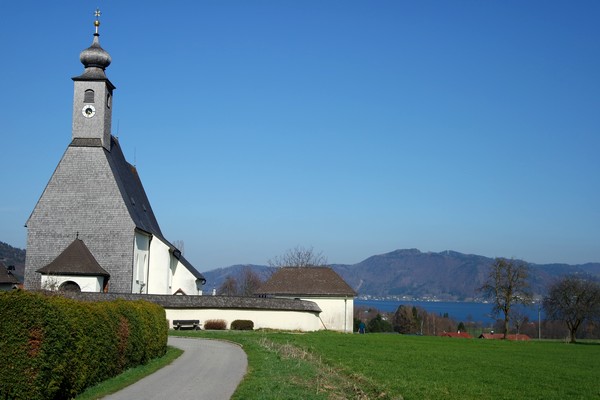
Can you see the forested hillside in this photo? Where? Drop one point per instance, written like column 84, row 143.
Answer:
column 13, row 256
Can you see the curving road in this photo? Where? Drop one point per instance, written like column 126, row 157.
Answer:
column 208, row 369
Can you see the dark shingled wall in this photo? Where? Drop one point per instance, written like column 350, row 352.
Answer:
column 82, row 197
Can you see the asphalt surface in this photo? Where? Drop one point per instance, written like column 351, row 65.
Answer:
column 207, row 369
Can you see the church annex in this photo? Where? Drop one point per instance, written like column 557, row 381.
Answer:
column 93, row 229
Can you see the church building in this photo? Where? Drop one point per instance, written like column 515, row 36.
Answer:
column 93, row 229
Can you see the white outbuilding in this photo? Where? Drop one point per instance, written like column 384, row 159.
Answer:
column 321, row 285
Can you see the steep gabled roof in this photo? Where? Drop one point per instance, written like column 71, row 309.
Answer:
column 6, row 276
column 76, row 259
column 132, row 190
column 310, row 281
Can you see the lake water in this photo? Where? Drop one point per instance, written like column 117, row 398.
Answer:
column 457, row 310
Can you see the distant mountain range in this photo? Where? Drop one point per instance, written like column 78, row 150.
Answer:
column 412, row 274
column 409, row 274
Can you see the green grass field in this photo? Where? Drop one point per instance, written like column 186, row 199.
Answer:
column 328, row 365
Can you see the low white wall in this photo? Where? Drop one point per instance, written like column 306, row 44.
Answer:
column 284, row 320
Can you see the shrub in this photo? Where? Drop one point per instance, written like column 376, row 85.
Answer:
column 242, row 325
column 53, row 347
column 215, row 324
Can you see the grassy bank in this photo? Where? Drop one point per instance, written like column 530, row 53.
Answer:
column 328, row 365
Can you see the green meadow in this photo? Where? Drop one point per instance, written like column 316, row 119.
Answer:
column 326, row 365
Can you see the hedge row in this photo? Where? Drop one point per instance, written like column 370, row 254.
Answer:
column 242, row 325
column 54, row 348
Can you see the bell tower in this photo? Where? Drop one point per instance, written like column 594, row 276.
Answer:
column 92, row 100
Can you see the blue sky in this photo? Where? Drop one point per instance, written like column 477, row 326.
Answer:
column 353, row 127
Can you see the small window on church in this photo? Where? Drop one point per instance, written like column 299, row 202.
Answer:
column 108, row 100
column 88, row 96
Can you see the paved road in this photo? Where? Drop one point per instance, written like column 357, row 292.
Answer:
column 208, row 369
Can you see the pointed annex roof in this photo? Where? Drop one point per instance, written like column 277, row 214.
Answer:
column 76, row 259
column 311, row 281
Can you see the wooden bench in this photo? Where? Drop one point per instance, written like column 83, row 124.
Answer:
column 186, row 323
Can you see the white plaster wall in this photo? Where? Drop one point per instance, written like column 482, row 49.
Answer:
column 86, row 283
column 284, row 320
column 337, row 313
column 183, row 279
column 159, row 267
column 141, row 257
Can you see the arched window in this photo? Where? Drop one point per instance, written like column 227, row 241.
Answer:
column 88, row 96
column 69, row 286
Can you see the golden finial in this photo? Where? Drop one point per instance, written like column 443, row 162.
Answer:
column 97, row 14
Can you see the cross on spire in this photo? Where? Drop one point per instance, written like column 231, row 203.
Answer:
column 97, row 14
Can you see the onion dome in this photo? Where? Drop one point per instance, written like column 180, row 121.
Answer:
column 95, row 56
column 95, row 59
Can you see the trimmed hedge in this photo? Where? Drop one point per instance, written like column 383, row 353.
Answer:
column 242, row 325
column 54, row 348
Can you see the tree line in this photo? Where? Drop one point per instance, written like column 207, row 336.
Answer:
column 571, row 306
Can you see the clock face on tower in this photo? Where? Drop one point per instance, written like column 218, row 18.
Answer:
column 88, row 111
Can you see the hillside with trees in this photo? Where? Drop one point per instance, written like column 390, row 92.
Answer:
column 13, row 256
column 412, row 274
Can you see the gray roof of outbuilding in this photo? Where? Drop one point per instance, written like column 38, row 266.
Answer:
column 6, row 276
column 76, row 259
column 310, row 281
column 203, row 302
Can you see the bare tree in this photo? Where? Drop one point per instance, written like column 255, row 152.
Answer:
column 229, row 287
column 180, row 245
column 299, row 257
column 249, row 281
column 573, row 299
column 519, row 318
column 506, row 285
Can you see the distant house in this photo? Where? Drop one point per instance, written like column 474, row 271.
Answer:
column 7, row 280
column 463, row 335
column 321, row 285
column 500, row 336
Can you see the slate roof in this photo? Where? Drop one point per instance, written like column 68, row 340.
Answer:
column 6, row 276
column 306, row 281
column 132, row 190
column 203, row 302
column 76, row 259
